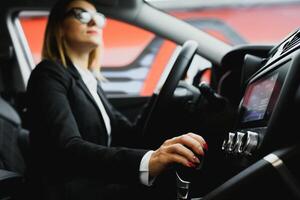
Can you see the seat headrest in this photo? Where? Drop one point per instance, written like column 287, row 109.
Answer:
column 8, row 112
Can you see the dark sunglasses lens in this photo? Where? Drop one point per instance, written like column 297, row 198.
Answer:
column 100, row 20
column 84, row 17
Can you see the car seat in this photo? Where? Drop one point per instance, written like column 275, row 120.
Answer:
column 14, row 146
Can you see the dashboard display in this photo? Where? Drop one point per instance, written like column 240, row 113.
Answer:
column 260, row 97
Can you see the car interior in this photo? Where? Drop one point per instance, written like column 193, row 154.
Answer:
column 247, row 113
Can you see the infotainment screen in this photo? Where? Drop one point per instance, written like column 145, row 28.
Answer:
column 261, row 96
column 257, row 98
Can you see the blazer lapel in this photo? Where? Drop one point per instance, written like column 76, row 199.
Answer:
column 81, row 84
column 105, row 102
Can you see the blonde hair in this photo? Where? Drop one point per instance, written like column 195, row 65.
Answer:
column 54, row 44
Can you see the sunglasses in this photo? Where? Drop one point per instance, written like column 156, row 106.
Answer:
column 86, row 17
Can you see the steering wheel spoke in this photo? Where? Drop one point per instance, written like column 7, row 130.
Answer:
column 165, row 95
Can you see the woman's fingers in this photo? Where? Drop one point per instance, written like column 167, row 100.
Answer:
column 182, row 160
column 199, row 139
column 192, row 141
column 183, row 151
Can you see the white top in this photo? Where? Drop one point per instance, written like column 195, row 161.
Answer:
column 91, row 83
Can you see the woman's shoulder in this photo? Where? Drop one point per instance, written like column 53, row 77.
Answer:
column 49, row 65
column 49, row 70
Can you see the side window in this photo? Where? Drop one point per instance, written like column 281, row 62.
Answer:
column 133, row 62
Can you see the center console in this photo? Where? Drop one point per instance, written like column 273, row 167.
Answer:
column 266, row 112
column 257, row 152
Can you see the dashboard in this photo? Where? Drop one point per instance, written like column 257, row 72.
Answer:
column 269, row 99
column 258, row 157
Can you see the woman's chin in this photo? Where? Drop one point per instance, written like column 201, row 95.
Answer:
column 92, row 44
column 95, row 42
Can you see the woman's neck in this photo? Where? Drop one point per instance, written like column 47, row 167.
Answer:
column 80, row 59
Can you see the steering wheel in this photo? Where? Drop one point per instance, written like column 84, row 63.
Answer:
column 178, row 70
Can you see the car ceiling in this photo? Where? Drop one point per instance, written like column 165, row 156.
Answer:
column 141, row 14
column 47, row 3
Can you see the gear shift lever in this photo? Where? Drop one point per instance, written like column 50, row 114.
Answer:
column 183, row 187
column 184, row 177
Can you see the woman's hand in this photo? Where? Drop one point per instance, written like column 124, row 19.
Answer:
column 181, row 149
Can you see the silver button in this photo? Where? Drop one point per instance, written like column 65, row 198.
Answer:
column 239, row 143
column 224, row 145
column 251, row 143
column 230, row 142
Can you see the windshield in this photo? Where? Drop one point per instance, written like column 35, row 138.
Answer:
column 237, row 22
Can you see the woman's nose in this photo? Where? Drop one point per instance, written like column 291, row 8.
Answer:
column 92, row 22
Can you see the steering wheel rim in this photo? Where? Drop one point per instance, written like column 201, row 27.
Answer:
column 179, row 68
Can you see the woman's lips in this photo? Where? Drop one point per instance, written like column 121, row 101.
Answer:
column 93, row 32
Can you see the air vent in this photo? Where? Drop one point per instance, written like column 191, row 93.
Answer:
column 295, row 41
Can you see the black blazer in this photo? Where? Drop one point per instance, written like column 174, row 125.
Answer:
column 68, row 136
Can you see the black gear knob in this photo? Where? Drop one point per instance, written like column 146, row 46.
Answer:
column 188, row 173
column 184, row 177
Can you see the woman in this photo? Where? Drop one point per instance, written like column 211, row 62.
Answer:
column 80, row 141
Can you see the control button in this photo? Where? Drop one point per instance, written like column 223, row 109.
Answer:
column 230, row 142
column 224, row 145
column 239, row 142
column 251, row 143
